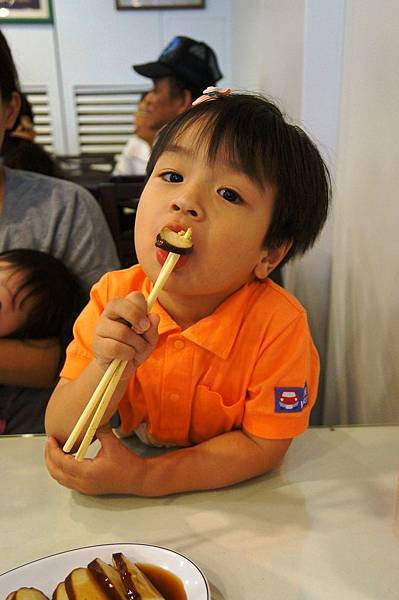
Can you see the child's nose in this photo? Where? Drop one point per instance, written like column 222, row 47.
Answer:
column 188, row 205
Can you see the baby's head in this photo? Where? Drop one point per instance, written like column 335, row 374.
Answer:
column 39, row 297
column 250, row 132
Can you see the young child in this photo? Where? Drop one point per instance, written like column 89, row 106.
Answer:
column 224, row 367
column 39, row 300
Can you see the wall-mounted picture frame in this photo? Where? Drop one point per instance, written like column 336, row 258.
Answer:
column 26, row 11
column 146, row 4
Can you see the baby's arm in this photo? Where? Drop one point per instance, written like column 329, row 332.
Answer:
column 29, row 363
column 124, row 331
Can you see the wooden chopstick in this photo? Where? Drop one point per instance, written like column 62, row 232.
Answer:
column 104, row 391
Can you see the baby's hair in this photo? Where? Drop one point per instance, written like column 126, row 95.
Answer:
column 57, row 295
column 249, row 131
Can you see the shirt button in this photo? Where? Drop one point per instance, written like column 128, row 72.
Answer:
column 174, row 397
column 179, row 344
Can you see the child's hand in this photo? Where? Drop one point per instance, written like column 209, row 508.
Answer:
column 125, row 331
column 115, row 469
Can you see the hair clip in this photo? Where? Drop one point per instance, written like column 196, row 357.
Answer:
column 212, row 93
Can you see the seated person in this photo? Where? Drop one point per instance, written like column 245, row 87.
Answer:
column 39, row 299
column 224, row 367
column 134, row 157
column 184, row 69
column 50, row 215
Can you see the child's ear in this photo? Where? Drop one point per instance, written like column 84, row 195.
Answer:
column 12, row 109
column 270, row 258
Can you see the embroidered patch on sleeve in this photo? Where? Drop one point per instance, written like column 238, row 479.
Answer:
column 290, row 400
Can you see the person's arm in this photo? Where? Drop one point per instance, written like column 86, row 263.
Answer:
column 29, row 363
column 219, row 462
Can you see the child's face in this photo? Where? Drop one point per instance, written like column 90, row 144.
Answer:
column 13, row 311
column 228, row 212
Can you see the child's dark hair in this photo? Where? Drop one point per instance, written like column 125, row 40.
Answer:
column 249, row 131
column 57, row 294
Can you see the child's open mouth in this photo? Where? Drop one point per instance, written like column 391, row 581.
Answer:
column 178, row 242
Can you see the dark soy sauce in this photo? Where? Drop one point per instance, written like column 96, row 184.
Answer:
column 168, row 584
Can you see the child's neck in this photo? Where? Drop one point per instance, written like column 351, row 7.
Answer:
column 187, row 311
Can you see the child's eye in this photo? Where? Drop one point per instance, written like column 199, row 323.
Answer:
column 172, row 177
column 230, row 195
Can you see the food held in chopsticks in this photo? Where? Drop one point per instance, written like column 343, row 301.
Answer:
column 173, row 241
column 26, row 594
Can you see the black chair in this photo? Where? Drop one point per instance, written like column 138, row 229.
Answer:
column 87, row 169
column 119, row 203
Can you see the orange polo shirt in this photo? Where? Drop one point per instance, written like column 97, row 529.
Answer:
column 250, row 365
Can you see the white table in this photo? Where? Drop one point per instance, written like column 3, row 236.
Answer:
column 323, row 527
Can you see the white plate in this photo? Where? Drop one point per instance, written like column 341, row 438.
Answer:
column 45, row 573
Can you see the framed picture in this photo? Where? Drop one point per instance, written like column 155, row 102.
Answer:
column 26, row 11
column 140, row 4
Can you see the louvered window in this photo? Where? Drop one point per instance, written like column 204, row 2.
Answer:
column 105, row 117
column 39, row 99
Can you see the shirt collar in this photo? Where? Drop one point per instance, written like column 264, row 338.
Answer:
column 217, row 332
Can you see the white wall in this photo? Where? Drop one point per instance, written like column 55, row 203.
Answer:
column 363, row 366
column 309, row 277
column 92, row 43
column 267, row 50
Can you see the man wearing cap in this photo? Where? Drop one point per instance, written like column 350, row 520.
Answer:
column 184, row 69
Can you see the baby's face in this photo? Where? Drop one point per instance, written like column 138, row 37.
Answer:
column 13, row 311
column 228, row 212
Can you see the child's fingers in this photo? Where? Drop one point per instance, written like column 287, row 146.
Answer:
column 115, row 340
column 108, row 350
column 151, row 335
column 132, row 309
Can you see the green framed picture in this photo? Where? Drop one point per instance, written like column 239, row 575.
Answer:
column 26, row 11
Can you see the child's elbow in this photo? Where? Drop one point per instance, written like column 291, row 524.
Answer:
column 271, row 452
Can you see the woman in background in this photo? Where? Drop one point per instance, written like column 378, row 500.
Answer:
column 20, row 151
column 50, row 215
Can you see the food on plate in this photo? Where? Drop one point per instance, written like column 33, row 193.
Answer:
column 79, row 584
column 178, row 242
column 124, row 580
column 101, row 581
column 25, row 593
column 135, row 583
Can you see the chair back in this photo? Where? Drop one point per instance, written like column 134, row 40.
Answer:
column 119, row 203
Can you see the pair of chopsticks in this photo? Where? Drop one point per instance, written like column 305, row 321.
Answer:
column 104, row 391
